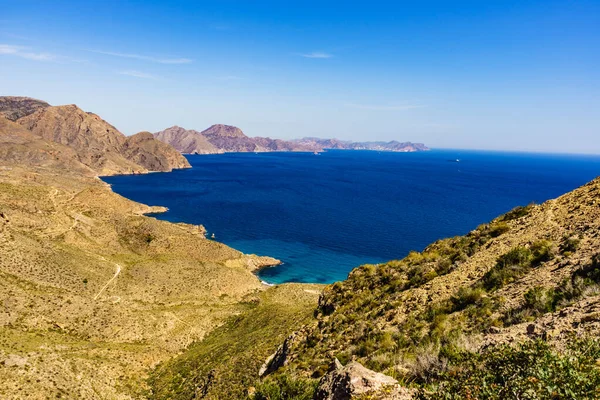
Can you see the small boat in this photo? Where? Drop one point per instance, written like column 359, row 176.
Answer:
column 212, row 236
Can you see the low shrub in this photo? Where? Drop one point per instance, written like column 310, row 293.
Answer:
column 498, row 228
column 569, row 245
column 517, row 213
column 532, row 370
column 509, row 267
column 284, row 387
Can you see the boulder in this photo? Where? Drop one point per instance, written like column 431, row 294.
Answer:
column 354, row 380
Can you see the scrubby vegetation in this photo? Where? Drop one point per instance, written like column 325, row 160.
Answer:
column 284, row 387
column 226, row 363
column 540, row 300
column 532, row 370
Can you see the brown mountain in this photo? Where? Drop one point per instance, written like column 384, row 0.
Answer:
column 154, row 155
column 15, row 107
column 187, row 141
column 226, row 138
column 99, row 145
column 20, row 147
column 229, row 139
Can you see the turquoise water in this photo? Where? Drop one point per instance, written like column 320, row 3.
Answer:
column 324, row 215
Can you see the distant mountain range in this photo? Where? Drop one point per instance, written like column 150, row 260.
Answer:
column 225, row 139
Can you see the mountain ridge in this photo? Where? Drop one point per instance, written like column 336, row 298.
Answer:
column 98, row 144
column 227, row 138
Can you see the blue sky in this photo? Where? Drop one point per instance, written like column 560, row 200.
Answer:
column 505, row 75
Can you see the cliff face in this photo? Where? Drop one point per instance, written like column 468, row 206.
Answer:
column 100, row 145
column 15, row 107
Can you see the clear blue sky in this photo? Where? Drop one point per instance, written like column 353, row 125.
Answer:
column 512, row 75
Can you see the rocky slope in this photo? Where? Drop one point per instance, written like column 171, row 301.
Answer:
column 99, row 145
column 225, row 138
column 15, row 107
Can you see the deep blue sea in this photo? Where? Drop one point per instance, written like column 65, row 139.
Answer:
column 323, row 215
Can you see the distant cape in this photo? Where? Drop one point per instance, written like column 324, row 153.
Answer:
column 226, row 139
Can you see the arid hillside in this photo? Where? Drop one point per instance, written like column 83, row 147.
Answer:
column 94, row 294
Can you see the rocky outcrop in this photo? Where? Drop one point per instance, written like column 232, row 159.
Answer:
column 279, row 358
column 152, row 154
column 15, row 107
column 187, row 141
column 355, row 381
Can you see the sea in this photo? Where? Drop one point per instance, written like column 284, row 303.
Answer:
column 324, row 214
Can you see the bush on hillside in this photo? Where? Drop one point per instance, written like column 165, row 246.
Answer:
column 533, row 370
column 285, row 387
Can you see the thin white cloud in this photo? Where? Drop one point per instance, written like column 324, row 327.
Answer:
column 385, row 107
column 144, row 58
column 137, row 74
column 316, row 54
column 23, row 52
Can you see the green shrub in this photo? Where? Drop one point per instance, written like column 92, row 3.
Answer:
column 542, row 251
column 517, row 213
column 533, row 370
column 498, row 228
column 466, row 296
column 509, row 267
column 284, row 387
column 569, row 245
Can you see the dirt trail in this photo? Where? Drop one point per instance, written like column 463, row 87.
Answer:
column 109, row 281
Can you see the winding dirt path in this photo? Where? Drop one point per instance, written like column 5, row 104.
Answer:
column 109, row 281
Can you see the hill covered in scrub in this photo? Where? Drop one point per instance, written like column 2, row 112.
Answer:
column 510, row 310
